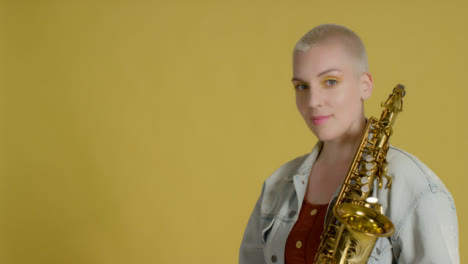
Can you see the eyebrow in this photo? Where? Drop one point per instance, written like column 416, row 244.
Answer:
column 318, row 75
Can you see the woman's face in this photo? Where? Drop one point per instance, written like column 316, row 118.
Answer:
column 329, row 94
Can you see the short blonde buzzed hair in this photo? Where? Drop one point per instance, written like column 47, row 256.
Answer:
column 329, row 32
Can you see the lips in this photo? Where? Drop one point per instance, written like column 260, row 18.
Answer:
column 320, row 120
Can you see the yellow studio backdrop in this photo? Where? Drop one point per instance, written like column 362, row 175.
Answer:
column 141, row 131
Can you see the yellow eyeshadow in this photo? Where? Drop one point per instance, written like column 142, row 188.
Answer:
column 299, row 83
column 328, row 78
column 331, row 78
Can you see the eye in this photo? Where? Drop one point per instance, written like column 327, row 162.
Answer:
column 301, row 86
column 330, row 82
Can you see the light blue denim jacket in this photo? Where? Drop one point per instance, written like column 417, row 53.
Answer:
column 418, row 204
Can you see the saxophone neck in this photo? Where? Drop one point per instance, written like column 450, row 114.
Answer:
column 393, row 105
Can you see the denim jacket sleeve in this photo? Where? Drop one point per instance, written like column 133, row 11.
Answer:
column 423, row 212
column 251, row 250
column 430, row 232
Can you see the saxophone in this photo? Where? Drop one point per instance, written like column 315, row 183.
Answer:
column 358, row 221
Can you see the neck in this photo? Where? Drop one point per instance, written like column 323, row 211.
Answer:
column 342, row 149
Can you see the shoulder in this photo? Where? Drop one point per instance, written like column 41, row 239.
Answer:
column 416, row 202
column 285, row 171
column 280, row 181
column 413, row 184
column 408, row 171
column 298, row 166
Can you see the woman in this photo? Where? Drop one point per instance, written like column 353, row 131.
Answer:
column 331, row 80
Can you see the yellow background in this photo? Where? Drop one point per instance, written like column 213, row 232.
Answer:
column 141, row 131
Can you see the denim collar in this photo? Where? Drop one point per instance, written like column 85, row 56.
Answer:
column 306, row 165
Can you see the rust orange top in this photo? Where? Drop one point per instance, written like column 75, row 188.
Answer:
column 304, row 239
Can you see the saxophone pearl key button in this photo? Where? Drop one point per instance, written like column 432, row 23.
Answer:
column 313, row 212
column 365, row 189
column 299, row 244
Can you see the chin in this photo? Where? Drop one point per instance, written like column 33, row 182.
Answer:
column 324, row 135
column 325, row 138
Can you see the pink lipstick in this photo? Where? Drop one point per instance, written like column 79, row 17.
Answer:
column 319, row 120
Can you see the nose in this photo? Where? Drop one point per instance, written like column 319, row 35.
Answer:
column 315, row 97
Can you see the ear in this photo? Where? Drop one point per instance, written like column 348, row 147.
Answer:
column 366, row 85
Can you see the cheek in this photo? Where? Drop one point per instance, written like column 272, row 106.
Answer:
column 348, row 104
column 339, row 100
column 354, row 105
column 301, row 103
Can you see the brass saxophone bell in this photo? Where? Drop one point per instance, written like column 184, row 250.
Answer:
column 360, row 229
